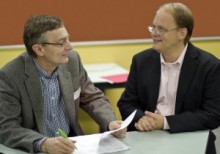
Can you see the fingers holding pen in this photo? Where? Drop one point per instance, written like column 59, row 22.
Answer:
column 58, row 145
column 64, row 145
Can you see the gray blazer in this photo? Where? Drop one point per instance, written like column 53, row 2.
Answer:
column 21, row 101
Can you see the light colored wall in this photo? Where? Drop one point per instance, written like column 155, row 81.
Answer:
column 121, row 54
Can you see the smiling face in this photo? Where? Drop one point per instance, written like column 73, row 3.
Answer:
column 54, row 50
column 169, row 39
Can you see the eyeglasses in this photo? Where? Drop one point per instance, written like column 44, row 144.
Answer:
column 63, row 44
column 159, row 30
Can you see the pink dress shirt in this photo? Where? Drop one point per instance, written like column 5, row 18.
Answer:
column 168, row 87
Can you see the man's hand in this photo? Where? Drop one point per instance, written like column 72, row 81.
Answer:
column 145, row 124
column 58, row 145
column 158, row 119
column 115, row 125
column 150, row 121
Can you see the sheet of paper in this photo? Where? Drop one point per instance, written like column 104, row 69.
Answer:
column 109, row 144
column 101, row 143
column 87, row 144
column 124, row 124
column 97, row 79
column 96, row 144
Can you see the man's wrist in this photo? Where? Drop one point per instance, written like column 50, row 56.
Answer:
column 38, row 143
column 165, row 123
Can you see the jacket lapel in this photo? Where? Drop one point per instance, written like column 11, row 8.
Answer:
column 33, row 86
column 189, row 66
column 67, row 92
column 154, row 81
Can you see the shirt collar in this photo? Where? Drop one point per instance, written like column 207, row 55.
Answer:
column 180, row 58
column 43, row 73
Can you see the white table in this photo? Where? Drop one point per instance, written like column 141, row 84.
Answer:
column 155, row 142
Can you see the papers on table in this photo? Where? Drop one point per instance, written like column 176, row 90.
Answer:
column 109, row 144
column 101, row 143
column 106, row 72
column 96, row 144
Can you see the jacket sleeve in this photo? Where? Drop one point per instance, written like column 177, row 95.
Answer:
column 201, row 109
column 12, row 134
column 129, row 99
column 93, row 101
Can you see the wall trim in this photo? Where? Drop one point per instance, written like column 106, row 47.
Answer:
column 114, row 42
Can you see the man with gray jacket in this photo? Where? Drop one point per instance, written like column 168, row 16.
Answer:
column 42, row 89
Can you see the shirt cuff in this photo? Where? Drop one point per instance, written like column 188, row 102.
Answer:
column 165, row 124
column 37, row 144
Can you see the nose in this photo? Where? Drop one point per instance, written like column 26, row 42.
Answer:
column 68, row 45
column 155, row 33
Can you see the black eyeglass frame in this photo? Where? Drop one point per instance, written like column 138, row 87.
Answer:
column 56, row 44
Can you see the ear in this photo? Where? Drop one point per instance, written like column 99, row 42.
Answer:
column 182, row 33
column 38, row 49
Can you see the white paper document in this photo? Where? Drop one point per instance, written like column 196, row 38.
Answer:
column 96, row 144
column 109, row 144
column 101, row 143
column 124, row 124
